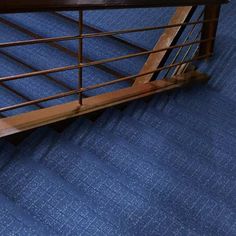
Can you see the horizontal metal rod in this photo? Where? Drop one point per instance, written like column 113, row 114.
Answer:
column 73, row 92
column 128, row 31
column 24, row 64
column 36, row 73
column 65, row 50
column 95, row 35
column 24, row 97
column 29, row 103
column 37, row 41
column 144, row 53
column 94, row 29
column 72, row 67
column 143, row 74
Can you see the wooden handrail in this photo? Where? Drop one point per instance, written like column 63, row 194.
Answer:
column 13, row 6
column 169, row 37
column 209, row 29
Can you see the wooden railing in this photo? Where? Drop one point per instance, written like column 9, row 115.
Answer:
column 196, row 20
column 13, row 6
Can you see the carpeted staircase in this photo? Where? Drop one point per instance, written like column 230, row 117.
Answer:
column 161, row 167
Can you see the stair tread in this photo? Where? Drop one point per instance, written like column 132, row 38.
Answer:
column 14, row 221
column 218, row 150
column 6, row 153
column 120, row 158
column 207, row 102
column 114, row 200
column 127, row 162
column 106, row 192
column 49, row 199
column 204, row 171
column 198, row 122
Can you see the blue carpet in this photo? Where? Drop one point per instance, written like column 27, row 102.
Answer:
column 162, row 167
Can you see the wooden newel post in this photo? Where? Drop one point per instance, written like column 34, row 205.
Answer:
column 80, row 57
column 209, row 29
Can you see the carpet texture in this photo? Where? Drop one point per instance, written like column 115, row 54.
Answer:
column 161, row 167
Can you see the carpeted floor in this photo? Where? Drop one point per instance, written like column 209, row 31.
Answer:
column 163, row 167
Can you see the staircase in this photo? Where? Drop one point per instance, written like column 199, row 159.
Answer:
column 163, row 166
column 146, row 170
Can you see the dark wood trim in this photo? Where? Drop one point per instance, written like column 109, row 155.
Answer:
column 34, row 119
column 209, row 29
column 12, row 6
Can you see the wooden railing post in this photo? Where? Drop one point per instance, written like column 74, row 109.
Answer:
column 209, row 29
column 80, row 57
column 169, row 37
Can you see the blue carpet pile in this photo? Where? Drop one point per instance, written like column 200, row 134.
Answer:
column 162, row 167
